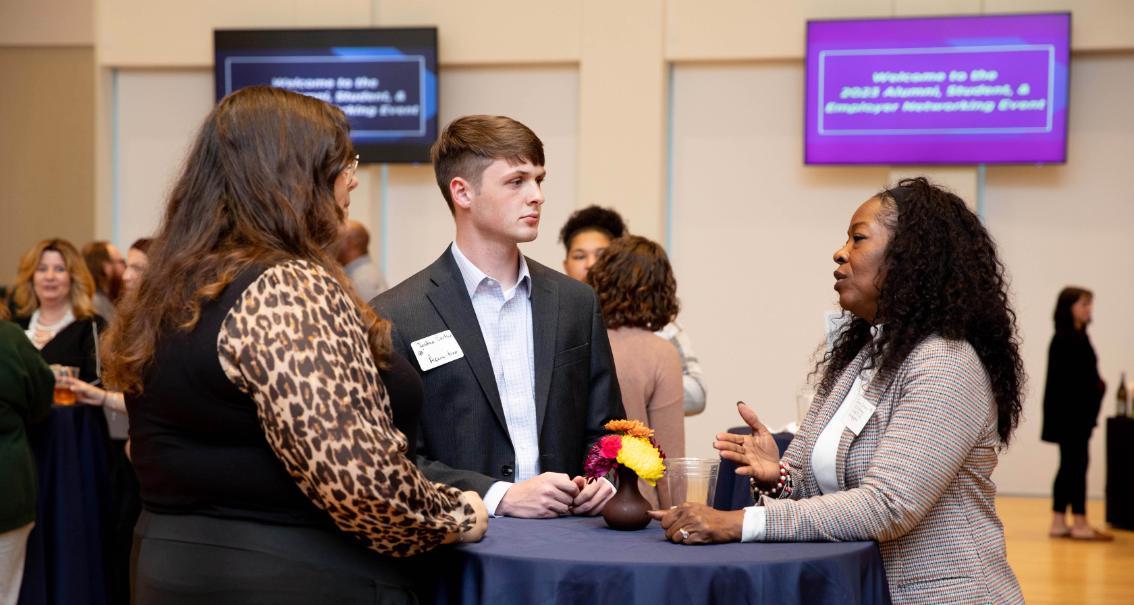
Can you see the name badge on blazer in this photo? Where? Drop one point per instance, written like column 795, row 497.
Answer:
column 860, row 414
column 436, row 350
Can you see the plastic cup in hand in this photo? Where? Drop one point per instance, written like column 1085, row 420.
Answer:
column 64, row 395
column 692, row 479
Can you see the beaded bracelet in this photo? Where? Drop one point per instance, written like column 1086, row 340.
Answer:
column 784, row 486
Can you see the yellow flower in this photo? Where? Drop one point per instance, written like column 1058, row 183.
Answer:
column 642, row 458
column 634, row 428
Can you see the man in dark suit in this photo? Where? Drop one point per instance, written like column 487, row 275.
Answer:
column 517, row 370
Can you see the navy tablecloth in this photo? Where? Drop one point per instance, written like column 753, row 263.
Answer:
column 579, row 560
column 65, row 558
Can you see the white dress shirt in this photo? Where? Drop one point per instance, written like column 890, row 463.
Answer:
column 505, row 319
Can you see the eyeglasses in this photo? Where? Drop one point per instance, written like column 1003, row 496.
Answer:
column 352, row 167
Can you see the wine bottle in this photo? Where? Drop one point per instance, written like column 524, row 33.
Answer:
column 1122, row 408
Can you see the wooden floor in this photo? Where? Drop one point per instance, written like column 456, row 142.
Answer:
column 1062, row 571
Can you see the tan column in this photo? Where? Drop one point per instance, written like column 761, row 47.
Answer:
column 622, row 109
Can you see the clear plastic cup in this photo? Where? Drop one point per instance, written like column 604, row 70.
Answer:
column 692, row 479
column 64, row 395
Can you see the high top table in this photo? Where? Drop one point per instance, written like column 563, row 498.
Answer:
column 574, row 560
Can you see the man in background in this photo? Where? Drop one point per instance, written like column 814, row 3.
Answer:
column 106, row 265
column 354, row 256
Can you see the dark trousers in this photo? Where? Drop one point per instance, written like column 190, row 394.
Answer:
column 125, row 506
column 191, row 559
column 1071, row 481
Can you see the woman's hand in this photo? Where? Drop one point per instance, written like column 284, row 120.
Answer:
column 696, row 523
column 755, row 455
column 481, row 525
column 89, row 394
column 85, row 393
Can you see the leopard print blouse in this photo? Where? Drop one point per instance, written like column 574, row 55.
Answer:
column 294, row 341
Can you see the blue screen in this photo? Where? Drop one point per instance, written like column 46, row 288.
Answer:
column 385, row 80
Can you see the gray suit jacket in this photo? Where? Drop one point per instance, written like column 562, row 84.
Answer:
column 917, row 479
column 463, row 436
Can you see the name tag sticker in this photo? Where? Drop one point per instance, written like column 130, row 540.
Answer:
column 859, row 415
column 436, row 350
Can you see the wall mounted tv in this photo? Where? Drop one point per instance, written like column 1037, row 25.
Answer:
column 384, row 79
column 942, row 90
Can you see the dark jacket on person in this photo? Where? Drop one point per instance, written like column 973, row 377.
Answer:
column 26, row 388
column 463, row 437
column 1073, row 391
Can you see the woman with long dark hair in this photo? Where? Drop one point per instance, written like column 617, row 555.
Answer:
column 1072, row 397
column 917, row 396
column 260, row 428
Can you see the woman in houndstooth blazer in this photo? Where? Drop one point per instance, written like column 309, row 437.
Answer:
column 919, row 392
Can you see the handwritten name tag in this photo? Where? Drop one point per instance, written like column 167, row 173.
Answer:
column 436, row 350
column 860, row 414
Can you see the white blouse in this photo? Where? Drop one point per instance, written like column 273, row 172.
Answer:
column 823, row 456
column 823, row 462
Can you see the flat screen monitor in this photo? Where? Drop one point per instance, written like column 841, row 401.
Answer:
column 989, row 89
column 384, row 79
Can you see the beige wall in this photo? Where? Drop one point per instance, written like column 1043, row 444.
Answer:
column 752, row 227
column 47, row 23
column 46, row 148
column 47, row 133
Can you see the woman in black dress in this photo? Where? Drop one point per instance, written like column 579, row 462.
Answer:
column 52, row 298
column 1071, row 400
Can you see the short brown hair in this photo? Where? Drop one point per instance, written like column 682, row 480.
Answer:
column 82, row 284
column 634, row 283
column 469, row 144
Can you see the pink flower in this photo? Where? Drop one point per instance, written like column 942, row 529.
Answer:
column 610, row 445
column 597, row 465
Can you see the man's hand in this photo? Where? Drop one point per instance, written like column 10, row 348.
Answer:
column 542, row 497
column 592, row 496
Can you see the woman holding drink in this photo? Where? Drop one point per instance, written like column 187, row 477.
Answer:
column 52, row 297
column 919, row 393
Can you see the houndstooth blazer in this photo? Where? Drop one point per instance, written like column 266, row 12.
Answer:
column 916, row 479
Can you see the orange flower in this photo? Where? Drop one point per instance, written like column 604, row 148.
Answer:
column 634, row 428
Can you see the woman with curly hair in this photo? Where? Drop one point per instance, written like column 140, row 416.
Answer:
column 919, row 393
column 585, row 236
column 638, row 295
column 260, row 421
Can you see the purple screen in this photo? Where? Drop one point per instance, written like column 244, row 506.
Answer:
column 952, row 90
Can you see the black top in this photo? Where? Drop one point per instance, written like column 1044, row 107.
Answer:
column 197, row 442
column 75, row 345
column 1073, row 391
column 404, row 387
